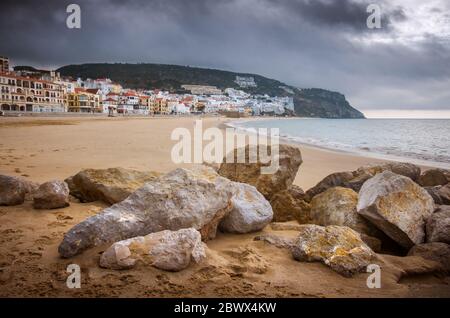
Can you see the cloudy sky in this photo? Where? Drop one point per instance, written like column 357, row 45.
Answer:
column 405, row 65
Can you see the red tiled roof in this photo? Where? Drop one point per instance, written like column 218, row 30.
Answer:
column 92, row 90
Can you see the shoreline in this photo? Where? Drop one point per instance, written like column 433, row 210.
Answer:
column 425, row 164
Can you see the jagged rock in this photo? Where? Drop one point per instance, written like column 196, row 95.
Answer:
column 438, row 225
column 108, row 185
column 434, row 177
column 434, row 192
column 440, row 194
column 444, row 194
column 373, row 242
column 166, row 250
column 51, row 195
column 337, row 206
column 250, row 211
column 436, row 251
column 339, row 247
column 276, row 240
column 397, row 206
column 338, row 179
column 13, row 190
column 289, row 205
column 289, row 160
column 180, row 199
column 355, row 179
column 282, row 226
column 401, row 168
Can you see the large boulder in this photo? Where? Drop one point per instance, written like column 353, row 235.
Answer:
column 290, row 205
column 434, row 192
column 440, row 194
column 180, row 199
column 166, row 250
column 338, row 179
column 337, row 206
column 250, row 211
column 51, row 195
column 108, row 185
column 444, row 194
column 339, row 247
column 434, row 177
column 438, row 225
column 397, row 206
column 401, row 168
column 13, row 190
column 355, row 179
column 437, row 252
column 289, row 160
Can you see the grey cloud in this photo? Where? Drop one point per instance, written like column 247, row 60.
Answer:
column 303, row 43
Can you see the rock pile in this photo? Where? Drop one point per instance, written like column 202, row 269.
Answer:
column 161, row 220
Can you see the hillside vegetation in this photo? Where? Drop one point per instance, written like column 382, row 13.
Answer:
column 308, row 102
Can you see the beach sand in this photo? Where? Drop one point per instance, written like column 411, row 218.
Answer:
column 43, row 149
column 55, row 148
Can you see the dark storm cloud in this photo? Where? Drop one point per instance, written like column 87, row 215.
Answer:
column 343, row 13
column 320, row 43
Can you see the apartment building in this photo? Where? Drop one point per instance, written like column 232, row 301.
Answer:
column 4, row 64
column 84, row 101
column 160, row 106
column 27, row 94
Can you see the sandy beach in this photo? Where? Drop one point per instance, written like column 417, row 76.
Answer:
column 54, row 148
column 42, row 149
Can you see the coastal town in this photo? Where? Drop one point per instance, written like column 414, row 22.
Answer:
column 27, row 90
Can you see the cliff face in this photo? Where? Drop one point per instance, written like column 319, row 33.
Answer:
column 316, row 102
column 308, row 102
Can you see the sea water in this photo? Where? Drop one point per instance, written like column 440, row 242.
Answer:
column 422, row 141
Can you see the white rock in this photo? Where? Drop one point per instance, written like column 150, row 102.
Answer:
column 166, row 250
column 251, row 212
